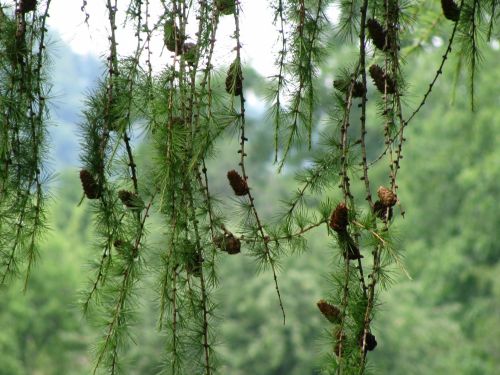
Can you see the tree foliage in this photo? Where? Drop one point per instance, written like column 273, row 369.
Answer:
column 185, row 110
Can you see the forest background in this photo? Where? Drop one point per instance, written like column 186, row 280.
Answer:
column 446, row 320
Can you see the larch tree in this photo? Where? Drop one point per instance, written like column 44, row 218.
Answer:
column 184, row 108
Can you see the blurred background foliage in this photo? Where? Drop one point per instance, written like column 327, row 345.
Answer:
column 446, row 320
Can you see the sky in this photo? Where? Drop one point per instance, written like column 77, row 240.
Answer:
column 257, row 32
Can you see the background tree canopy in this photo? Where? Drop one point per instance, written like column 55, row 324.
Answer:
column 444, row 319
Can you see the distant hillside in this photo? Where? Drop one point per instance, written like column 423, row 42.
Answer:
column 72, row 75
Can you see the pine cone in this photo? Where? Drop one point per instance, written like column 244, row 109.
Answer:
column 131, row 200
column 386, row 196
column 371, row 342
column 234, row 79
column 380, row 78
column 350, row 249
column 339, row 218
column 329, row 311
column 450, row 10
column 377, row 34
column 238, row 184
column 358, row 89
column 226, row 7
column 381, row 211
column 228, row 243
column 89, row 184
column 172, row 37
column 353, row 252
column 27, row 6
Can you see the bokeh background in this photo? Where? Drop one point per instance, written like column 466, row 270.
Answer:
column 445, row 320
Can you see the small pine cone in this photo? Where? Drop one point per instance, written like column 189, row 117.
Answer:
column 358, row 89
column 450, row 10
column 238, row 184
column 381, row 79
column 27, row 6
column 381, row 211
column 172, row 37
column 131, row 200
column 377, row 34
column 386, row 196
column 234, row 79
column 339, row 218
column 228, row 243
column 226, row 7
column 329, row 311
column 351, row 250
column 232, row 244
column 371, row 342
column 89, row 184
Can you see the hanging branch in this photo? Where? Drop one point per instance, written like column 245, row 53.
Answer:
column 37, row 135
column 305, row 56
column 267, row 251
column 23, row 145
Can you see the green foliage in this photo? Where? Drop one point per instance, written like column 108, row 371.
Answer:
column 160, row 224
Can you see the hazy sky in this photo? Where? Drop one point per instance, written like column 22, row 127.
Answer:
column 257, row 32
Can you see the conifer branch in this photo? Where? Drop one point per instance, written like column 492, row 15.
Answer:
column 277, row 110
column 362, row 67
column 37, row 134
column 268, row 256
column 438, row 72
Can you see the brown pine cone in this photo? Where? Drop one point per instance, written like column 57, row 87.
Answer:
column 350, row 249
column 386, row 196
column 89, row 184
column 381, row 211
column 451, row 10
column 228, row 243
column 234, row 79
column 27, row 6
column 238, row 184
column 339, row 218
column 353, row 252
column 226, row 7
column 358, row 89
column 371, row 342
column 329, row 311
column 172, row 37
column 377, row 34
column 381, row 79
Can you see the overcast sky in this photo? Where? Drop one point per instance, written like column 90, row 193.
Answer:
column 257, row 32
